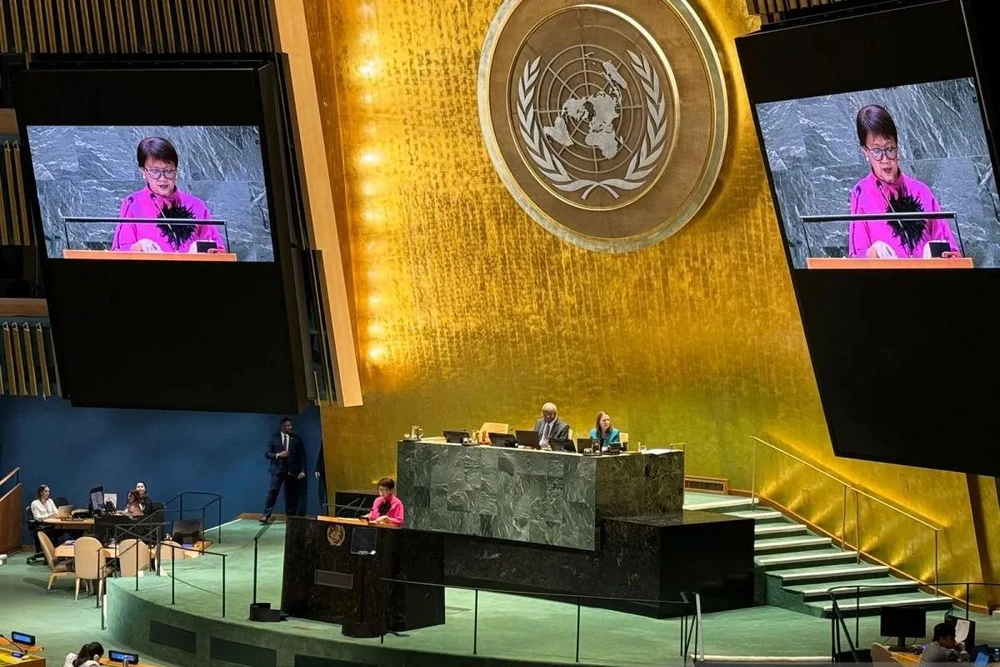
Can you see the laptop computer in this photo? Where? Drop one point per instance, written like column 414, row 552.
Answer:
column 503, row 440
column 64, row 512
column 562, row 445
column 586, row 443
column 527, row 439
column 455, row 437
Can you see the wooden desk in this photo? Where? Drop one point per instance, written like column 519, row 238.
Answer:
column 905, row 658
column 29, row 659
column 108, row 663
column 70, row 524
column 66, row 551
column 856, row 263
column 349, row 521
column 151, row 256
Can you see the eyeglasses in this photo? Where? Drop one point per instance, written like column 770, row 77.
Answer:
column 878, row 153
column 169, row 174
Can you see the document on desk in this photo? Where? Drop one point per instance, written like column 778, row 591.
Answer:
column 660, row 452
column 961, row 629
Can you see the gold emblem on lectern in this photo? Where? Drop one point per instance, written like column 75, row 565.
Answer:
column 599, row 135
column 335, row 535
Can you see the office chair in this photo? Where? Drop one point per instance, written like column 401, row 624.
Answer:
column 34, row 527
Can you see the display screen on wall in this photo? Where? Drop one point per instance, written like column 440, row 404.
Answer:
column 880, row 155
column 841, row 163
column 145, row 192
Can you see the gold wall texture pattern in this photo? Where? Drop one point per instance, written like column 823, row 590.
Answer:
column 467, row 311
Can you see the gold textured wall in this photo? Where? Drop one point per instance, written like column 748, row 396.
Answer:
column 467, row 311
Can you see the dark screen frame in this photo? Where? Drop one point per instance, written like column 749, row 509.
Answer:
column 173, row 335
column 904, row 366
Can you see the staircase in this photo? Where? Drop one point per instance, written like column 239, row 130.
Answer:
column 795, row 568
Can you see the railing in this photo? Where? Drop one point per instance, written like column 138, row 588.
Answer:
column 690, row 627
column 848, row 489
column 11, row 512
column 155, row 557
column 838, row 622
column 179, row 498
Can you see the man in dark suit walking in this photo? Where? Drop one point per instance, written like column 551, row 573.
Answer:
column 287, row 455
column 550, row 427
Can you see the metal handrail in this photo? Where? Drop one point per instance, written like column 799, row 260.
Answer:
column 686, row 632
column 848, row 486
column 216, row 498
column 15, row 473
column 839, row 622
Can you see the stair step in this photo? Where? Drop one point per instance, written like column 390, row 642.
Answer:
column 830, row 573
column 721, row 503
column 872, row 606
column 779, row 530
column 782, row 544
column 885, row 586
column 761, row 516
column 804, row 559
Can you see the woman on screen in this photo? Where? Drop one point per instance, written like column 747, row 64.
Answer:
column 161, row 198
column 887, row 190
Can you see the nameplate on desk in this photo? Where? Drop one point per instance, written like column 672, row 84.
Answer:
column 334, row 579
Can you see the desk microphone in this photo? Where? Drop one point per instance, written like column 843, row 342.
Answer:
column 356, row 502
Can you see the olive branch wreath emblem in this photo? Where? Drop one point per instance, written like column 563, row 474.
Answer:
column 549, row 164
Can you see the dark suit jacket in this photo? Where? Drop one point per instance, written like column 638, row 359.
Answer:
column 296, row 461
column 559, row 431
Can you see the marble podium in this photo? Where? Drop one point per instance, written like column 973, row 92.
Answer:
column 540, row 497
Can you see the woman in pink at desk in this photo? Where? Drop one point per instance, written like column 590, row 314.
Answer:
column 161, row 198
column 387, row 508
column 887, row 190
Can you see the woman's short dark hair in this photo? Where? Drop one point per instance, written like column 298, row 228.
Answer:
column 156, row 148
column 38, row 493
column 387, row 483
column 875, row 121
column 87, row 652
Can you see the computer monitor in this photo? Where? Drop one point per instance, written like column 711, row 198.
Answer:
column 186, row 531
column 586, row 443
column 562, row 445
column 123, row 658
column 982, row 660
column 111, row 498
column 97, row 499
column 503, row 440
column 903, row 622
column 456, row 437
column 527, row 439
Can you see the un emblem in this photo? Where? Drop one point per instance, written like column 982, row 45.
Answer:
column 335, row 535
column 598, row 135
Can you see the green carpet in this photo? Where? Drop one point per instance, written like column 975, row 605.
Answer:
column 508, row 626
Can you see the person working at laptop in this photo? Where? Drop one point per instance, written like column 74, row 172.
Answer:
column 605, row 433
column 944, row 648
column 42, row 507
column 550, row 427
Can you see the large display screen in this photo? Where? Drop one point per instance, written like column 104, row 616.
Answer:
column 876, row 127
column 186, row 203
column 843, row 164
column 195, row 193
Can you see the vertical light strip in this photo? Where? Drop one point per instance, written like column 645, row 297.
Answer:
column 170, row 27
column 147, row 44
column 29, row 30
column 50, row 22
column 74, row 25
column 182, row 28
column 15, row 218
column 4, row 219
column 22, row 389
column 43, row 362
column 15, row 23
column 22, row 204
column 9, row 354
column 29, row 359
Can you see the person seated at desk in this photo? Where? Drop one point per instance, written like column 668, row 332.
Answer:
column 944, row 648
column 604, row 432
column 388, row 508
column 42, row 506
column 134, row 507
column 89, row 656
column 550, row 426
column 144, row 500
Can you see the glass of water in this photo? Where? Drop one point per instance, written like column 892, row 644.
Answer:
column 641, row 448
